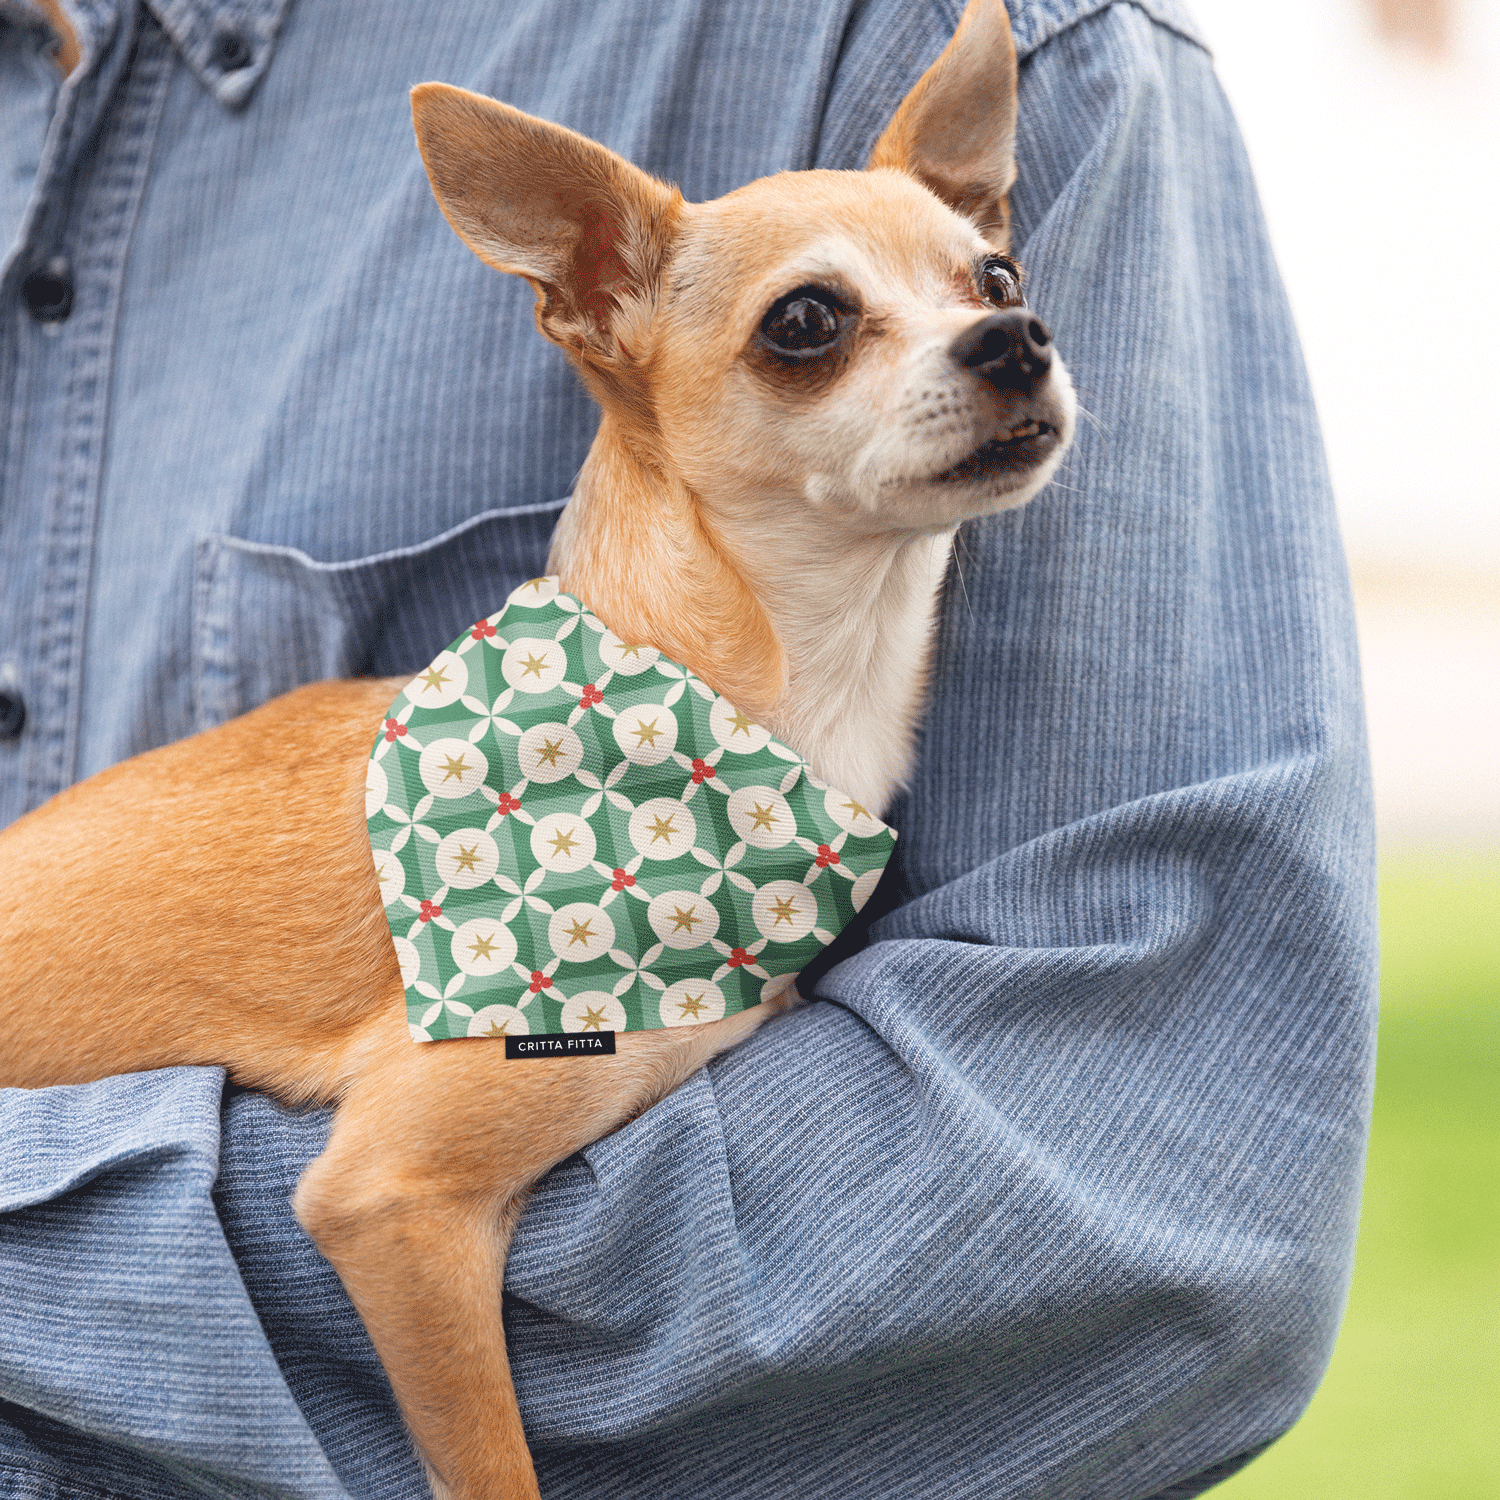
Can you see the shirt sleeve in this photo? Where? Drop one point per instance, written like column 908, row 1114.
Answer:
column 1054, row 1190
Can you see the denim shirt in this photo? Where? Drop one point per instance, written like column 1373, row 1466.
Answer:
column 1052, row 1189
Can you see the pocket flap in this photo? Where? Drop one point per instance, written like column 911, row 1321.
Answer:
column 267, row 619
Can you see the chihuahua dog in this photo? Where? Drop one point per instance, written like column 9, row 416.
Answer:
column 806, row 386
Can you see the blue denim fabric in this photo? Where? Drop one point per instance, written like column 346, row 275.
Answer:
column 1052, row 1192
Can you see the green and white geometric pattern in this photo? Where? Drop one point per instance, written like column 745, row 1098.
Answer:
column 573, row 834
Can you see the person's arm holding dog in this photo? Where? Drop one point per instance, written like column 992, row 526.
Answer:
column 1063, row 1194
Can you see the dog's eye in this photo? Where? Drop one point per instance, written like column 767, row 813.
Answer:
column 1000, row 281
column 803, row 322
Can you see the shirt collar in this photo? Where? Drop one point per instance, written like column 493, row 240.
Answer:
column 227, row 43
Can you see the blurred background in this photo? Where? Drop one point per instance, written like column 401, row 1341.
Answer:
column 1374, row 129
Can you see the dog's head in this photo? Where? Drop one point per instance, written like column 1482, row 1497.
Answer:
column 853, row 341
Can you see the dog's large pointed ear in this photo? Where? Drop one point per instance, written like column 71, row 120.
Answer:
column 956, row 131
column 588, row 230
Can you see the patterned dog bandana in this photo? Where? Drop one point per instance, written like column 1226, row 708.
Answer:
column 575, row 834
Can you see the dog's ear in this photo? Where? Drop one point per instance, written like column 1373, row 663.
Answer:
column 588, row 230
column 956, row 131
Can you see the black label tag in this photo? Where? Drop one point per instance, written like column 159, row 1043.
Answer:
column 562, row 1044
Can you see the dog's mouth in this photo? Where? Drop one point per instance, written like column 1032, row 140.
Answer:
column 1020, row 448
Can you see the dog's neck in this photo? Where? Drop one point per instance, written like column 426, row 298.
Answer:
column 820, row 630
column 854, row 615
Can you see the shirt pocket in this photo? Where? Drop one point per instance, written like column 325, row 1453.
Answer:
column 267, row 619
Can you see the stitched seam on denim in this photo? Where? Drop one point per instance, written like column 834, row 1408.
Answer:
column 215, row 679
column 393, row 554
column 1050, row 29
column 104, row 235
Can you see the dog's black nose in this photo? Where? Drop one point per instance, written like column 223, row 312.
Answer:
column 1011, row 349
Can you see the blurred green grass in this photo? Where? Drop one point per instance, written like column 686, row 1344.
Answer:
column 1410, row 1407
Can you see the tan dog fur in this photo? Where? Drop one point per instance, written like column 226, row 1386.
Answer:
column 67, row 38
column 783, row 536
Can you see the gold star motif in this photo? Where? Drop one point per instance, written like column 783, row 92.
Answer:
column 634, row 651
column 549, row 752
column 534, row 583
column 645, row 732
column 466, row 859
column 434, row 677
column 763, row 817
column 562, row 842
column 690, row 1005
column 533, row 665
column 484, row 947
column 856, row 809
column 384, row 873
column 497, row 1028
column 785, row 911
column 681, row 918
column 455, row 767
column 593, row 1020
column 661, row 828
column 741, row 722
column 580, row 932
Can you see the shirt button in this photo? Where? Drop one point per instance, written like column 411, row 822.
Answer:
column 49, row 292
column 231, row 50
column 12, row 713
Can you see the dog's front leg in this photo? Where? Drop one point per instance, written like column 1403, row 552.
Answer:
column 414, row 1202
column 425, row 1274
column 418, row 1192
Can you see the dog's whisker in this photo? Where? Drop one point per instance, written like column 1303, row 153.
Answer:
column 960, row 547
column 1094, row 421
